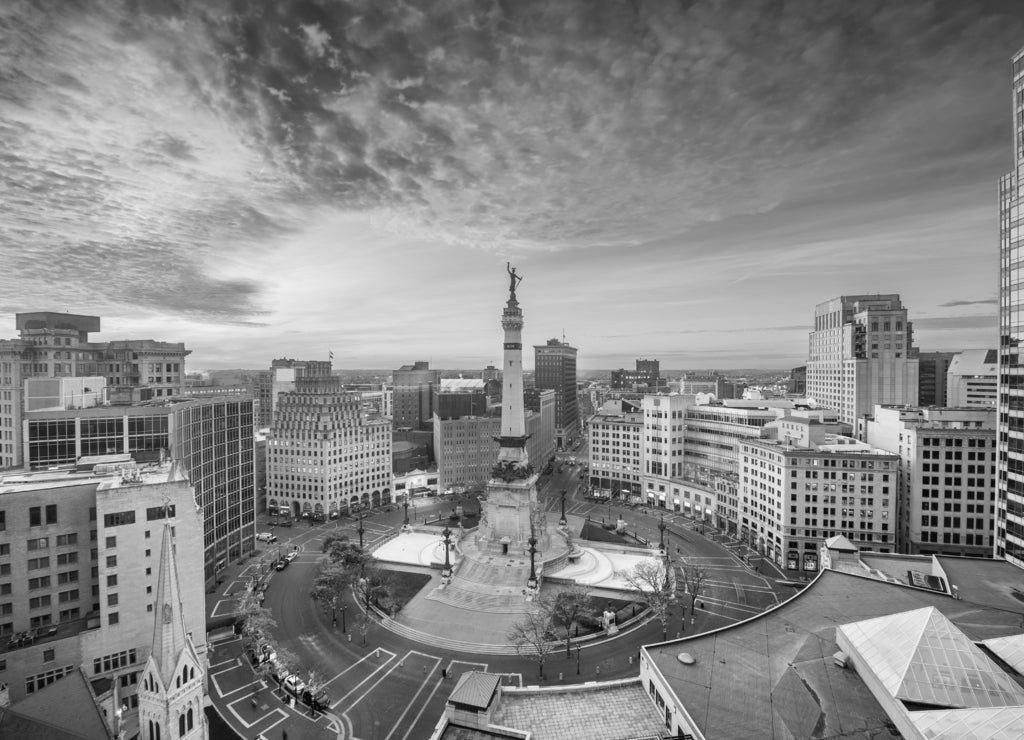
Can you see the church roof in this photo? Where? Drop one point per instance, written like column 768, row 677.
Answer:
column 64, row 710
column 169, row 620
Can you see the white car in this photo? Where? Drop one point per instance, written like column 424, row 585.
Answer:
column 266, row 537
column 294, row 684
column 292, row 555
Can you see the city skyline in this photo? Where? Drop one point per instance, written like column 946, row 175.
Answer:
column 680, row 184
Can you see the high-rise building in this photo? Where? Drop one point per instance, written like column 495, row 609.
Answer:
column 81, row 568
column 797, row 383
column 1010, row 499
column 56, row 345
column 280, row 379
column 973, row 378
column 212, row 439
column 413, row 395
column 861, row 354
column 947, row 479
column 931, row 378
column 555, row 369
column 327, row 452
column 616, row 450
column 664, row 427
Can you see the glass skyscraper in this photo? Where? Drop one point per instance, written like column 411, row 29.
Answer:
column 1009, row 541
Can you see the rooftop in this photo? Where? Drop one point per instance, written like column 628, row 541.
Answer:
column 112, row 476
column 773, row 676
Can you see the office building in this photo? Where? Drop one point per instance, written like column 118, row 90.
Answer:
column 465, row 447
column 281, row 379
column 861, row 354
column 412, row 395
column 212, row 439
column 80, row 557
column 56, row 345
column 797, row 383
column 808, row 485
column 931, row 378
column 973, row 378
column 664, row 428
column 646, row 377
column 543, row 404
column 555, row 369
column 327, row 452
column 947, row 476
column 1010, row 499
column 616, row 450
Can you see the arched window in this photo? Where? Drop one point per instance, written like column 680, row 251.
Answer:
column 191, row 673
column 190, row 718
column 184, row 673
column 181, row 725
column 152, row 736
column 157, row 731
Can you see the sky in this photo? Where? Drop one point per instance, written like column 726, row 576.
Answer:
column 681, row 181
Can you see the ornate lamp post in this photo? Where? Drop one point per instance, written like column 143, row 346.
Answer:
column 406, row 505
column 563, row 520
column 661, row 533
column 532, row 582
column 447, row 533
column 577, row 659
column 362, row 555
column 344, row 608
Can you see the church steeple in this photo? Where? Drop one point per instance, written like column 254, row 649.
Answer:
column 171, row 690
column 169, row 623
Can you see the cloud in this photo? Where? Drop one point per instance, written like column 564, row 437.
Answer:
column 983, row 301
column 950, row 323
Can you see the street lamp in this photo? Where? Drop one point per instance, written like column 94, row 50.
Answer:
column 577, row 659
column 563, row 521
column 447, row 533
column 532, row 582
column 344, row 608
column 661, row 533
column 406, row 505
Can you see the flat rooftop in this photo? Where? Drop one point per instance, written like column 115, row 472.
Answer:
column 994, row 583
column 37, row 480
column 773, row 676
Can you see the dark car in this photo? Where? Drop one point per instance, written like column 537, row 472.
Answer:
column 281, row 564
column 321, row 702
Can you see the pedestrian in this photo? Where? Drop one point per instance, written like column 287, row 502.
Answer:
column 444, row 673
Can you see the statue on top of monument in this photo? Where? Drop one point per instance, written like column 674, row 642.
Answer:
column 513, row 279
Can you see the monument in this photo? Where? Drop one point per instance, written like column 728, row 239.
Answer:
column 510, row 513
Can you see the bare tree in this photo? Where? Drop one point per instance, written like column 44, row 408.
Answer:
column 314, row 680
column 651, row 580
column 532, row 636
column 363, row 622
column 694, row 578
column 569, row 606
column 332, row 580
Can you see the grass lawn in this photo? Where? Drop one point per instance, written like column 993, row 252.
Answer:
column 595, row 532
column 405, row 585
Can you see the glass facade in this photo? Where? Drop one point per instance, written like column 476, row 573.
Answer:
column 1009, row 542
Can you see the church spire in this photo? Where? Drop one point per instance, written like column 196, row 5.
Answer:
column 169, row 621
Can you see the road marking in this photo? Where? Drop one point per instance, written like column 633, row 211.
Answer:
column 368, row 656
column 412, row 701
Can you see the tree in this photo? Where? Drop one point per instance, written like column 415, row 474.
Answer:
column 569, row 606
column 374, row 583
column 257, row 621
column 694, row 578
column 363, row 622
column 650, row 579
column 332, row 580
column 314, row 680
column 330, row 539
column 532, row 636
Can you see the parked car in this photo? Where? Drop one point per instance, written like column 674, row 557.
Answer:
column 294, row 685
column 286, row 522
column 291, row 556
column 320, row 702
column 281, row 564
column 267, row 537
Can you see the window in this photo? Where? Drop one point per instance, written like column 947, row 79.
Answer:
column 112, row 580
column 40, row 543
column 51, row 513
column 111, row 561
column 66, row 558
column 40, row 582
column 113, row 618
column 118, row 518
column 3, row 521
column 111, row 599
column 48, row 655
column 111, row 542
column 67, row 539
column 37, row 563
column 35, row 516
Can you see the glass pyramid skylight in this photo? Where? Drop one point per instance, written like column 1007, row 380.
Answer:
column 920, row 656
